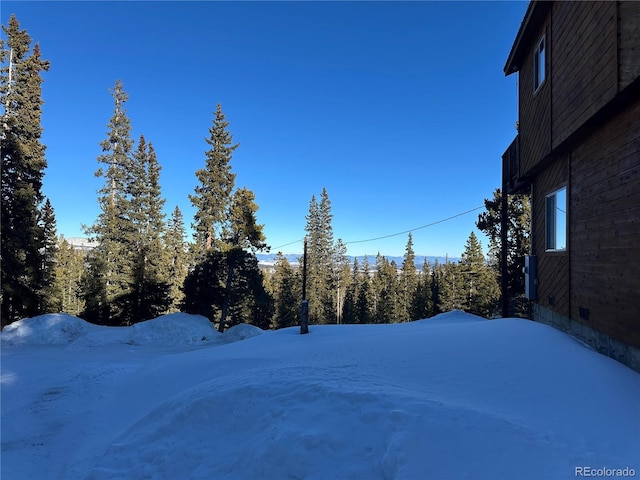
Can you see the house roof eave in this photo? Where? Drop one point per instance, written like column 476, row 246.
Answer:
column 533, row 17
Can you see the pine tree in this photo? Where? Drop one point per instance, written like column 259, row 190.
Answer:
column 150, row 288
column 518, row 243
column 386, row 287
column 320, row 261
column 451, row 290
column 226, row 233
column 69, row 272
column 422, row 301
column 408, row 282
column 203, row 286
column 49, row 295
column 107, row 285
column 213, row 194
column 436, row 277
column 23, row 165
column 365, row 303
column 287, row 290
column 340, row 277
column 479, row 282
column 177, row 258
column 241, row 231
column 349, row 312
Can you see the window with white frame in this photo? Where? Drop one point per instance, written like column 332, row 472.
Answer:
column 539, row 64
column 556, row 212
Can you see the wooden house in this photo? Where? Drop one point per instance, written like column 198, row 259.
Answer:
column 577, row 152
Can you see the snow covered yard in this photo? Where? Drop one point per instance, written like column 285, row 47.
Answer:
column 451, row 397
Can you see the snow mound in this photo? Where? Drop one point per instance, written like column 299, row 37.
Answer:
column 49, row 329
column 451, row 318
column 175, row 328
column 242, row 332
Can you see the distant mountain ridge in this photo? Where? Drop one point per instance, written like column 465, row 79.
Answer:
column 266, row 259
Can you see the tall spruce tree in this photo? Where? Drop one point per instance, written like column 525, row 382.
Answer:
column 216, row 181
column 178, row 258
column 23, row 164
column 320, row 261
column 227, row 235
column 408, row 282
column 49, row 295
column 107, row 285
column 479, row 284
column 150, row 287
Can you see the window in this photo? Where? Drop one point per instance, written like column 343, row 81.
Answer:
column 557, row 220
column 539, row 64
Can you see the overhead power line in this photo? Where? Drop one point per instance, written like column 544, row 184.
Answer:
column 398, row 233
column 417, row 228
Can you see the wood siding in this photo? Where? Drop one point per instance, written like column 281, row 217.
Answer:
column 553, row 267
column 535, row 110
column 628, row 43
column 583, row 63
column 605, row 228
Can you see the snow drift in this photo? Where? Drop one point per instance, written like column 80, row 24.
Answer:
column 455, row 396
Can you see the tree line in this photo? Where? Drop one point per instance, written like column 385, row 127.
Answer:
column 143, row 265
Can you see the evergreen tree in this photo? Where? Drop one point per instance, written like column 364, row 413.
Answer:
column 518, row 243
column 436, row 277
column 408, row 282
column 216, row 181
column 349, row 312
column 315, row 284
column 177, row 258
column 287, row 290
column 451, row 290
column 479, row 282
column 422, row 302
column 241, row 231
column 107, row 286
column 150, row 288
column 339, row 277
column 320, row 261
column 386, row 287
column 69, row 271
column 226, row 233
column 23, row 165
column 365, row 303
column 207, row 292
column 49, row 295
column 203, row 286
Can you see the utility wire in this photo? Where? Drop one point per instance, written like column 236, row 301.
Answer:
column 417, row 228
column 399, row 233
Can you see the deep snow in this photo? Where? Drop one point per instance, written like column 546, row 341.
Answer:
column 454, row 397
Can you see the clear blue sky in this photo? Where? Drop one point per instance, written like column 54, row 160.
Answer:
column 400, row 109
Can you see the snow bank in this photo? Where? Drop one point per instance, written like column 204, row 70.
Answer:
column 175, row 329
column 50, row 329
column 241, row 332
column 451, row 397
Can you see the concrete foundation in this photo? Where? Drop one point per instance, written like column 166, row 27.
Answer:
column 602, row 343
